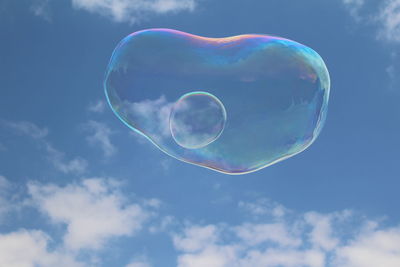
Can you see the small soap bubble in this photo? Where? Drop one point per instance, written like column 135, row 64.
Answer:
column 234, row 105
column 197, row 119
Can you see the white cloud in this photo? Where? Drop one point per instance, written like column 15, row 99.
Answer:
column 195, row 238
column 25, row 248
column 321, row 234
column 284, row 258
column 268, row 245
column 93, row 211
column 310, row 239
column 132, row 10
column 371, row 249
column 100, row 135
column 211, row 256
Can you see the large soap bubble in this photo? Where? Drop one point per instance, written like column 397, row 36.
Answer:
column 234, row 105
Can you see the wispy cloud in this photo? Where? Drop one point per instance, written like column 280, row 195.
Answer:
column 76, row 165
column 27, row 128
column 262, row 207
column 354, row 6
column 389, row 17
column 392, row 70
column 4, row 195
column 93, row 211
column 385, row 15
column 100, row 135
column 163, row 224
column 41, row 9
column 4, row 184
column 132, row 11
column 97, row 107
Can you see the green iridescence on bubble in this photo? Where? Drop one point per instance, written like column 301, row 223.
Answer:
column 234, row 105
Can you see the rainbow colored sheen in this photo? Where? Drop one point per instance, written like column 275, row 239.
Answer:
column 234, row 105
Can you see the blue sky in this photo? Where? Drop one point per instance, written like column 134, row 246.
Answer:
column 78, row 188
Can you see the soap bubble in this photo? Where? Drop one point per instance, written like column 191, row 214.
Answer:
column 197, row 119
column 234, row 105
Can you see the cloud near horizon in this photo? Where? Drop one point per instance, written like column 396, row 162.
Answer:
column 93, row 211
column 309, row 239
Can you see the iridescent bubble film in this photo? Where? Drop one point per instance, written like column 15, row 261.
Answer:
column 234, row 104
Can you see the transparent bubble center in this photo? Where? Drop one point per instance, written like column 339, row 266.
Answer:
column 197, row 119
